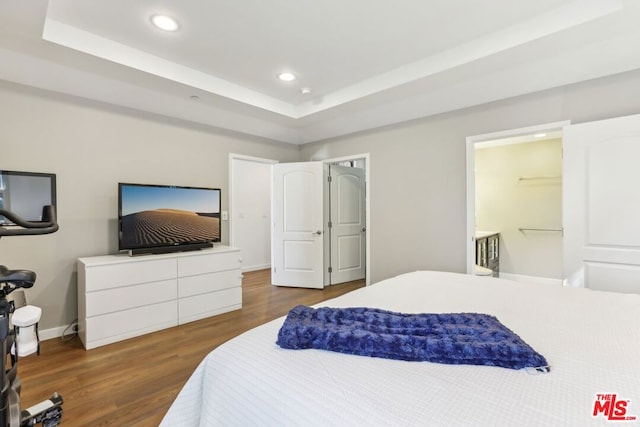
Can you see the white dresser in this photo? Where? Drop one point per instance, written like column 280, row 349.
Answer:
column 121, row 297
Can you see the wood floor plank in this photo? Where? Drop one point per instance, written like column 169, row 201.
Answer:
column 133, row 382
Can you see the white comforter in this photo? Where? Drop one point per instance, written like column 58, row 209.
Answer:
column 591, row 339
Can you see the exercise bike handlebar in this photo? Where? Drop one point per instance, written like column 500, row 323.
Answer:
column 47, row 226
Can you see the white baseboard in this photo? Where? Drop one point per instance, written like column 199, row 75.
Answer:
column 47, row 334
column 531, row 279
column 256, row 267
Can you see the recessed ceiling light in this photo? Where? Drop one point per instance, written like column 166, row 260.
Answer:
column 305, row 91
column 164, row 22
column 539, row 135
column 287, row 77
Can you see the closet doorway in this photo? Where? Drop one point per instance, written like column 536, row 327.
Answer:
column 514, row 188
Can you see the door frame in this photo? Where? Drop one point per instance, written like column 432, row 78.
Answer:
column 367, row 189
column 471, row 175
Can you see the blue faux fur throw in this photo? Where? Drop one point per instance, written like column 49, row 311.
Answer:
column 454, row 338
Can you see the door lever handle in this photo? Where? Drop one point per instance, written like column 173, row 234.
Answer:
column 317, row 233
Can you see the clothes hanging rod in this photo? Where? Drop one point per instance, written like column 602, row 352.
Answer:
column 530, row 178
column 522, row 230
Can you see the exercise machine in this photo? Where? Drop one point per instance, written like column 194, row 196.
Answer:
column 19, row 329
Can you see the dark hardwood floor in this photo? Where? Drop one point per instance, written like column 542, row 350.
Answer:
column 133, row 382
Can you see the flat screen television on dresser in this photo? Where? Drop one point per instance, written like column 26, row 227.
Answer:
column 167, row 218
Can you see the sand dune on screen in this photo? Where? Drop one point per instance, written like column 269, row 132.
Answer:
column 168, row 226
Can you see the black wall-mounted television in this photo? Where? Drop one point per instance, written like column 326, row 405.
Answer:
column 25, row 194
column 164, row 218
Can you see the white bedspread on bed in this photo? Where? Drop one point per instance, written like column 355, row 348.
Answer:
column 590, row 338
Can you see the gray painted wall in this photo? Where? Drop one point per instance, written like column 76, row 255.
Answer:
column 92, row 147
column 418, row 187
column 418, row 169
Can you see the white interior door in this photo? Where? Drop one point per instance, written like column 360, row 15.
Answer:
column 601, row 206
column 298, row 225
column 348, row 223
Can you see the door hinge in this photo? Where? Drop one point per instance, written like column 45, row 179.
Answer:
column 330, row 269
column 330, row 224
column 329, row 178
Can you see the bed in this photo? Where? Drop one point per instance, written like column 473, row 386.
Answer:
column 591, row 340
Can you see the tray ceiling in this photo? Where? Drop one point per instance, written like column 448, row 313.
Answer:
column 367, row 63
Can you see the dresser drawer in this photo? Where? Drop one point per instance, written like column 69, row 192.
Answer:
column 211, row 282
column 125, row 324
column 201, row 306
column 99, row 277
column 208, row 263
column 118, row 299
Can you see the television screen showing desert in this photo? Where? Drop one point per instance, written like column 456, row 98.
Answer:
column 168, row 226
column 158, row 215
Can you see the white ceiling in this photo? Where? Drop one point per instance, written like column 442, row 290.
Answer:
column 368, row 63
